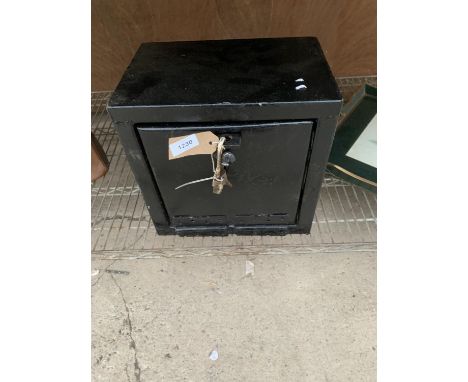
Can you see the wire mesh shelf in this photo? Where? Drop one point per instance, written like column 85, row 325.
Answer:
column 345, row 218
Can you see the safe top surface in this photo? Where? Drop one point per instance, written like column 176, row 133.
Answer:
column 227, row 72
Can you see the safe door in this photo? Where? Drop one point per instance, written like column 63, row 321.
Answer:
column 267, row 175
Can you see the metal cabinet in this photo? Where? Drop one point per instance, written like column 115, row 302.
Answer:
column 273, row 100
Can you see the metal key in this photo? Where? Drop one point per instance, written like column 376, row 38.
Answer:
column 218, row 185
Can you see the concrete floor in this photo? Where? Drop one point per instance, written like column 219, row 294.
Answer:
column 299, row 317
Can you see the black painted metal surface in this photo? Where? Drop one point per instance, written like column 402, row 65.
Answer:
column 277, row 101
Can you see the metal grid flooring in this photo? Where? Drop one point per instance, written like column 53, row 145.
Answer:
column 345, row 218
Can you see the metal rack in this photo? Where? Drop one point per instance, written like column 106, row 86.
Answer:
column 345, row 218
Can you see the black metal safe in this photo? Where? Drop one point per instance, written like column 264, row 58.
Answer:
column 275, row 103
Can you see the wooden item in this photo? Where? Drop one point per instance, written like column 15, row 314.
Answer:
column 99, row 161
column 347, row 30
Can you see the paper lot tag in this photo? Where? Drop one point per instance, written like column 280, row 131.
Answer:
column 193, row 144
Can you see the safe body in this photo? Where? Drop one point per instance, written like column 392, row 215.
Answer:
column 274, row 100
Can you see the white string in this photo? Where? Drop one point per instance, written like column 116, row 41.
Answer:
column 204, row 179
column 194, row 181
column 201, row 180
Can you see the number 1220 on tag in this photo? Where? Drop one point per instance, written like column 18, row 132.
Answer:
column 183, row 145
